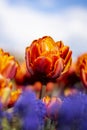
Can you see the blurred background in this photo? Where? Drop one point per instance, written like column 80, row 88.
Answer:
column 22, row 21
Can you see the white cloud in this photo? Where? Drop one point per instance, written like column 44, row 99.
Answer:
column 20, row 25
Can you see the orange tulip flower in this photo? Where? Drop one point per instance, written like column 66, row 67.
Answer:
column 8, row 65
column 81, row 68
column 47, row 58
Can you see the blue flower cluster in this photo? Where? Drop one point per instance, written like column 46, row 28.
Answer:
column 41, row 111
column 68, row 114
column 72, row 114
column 1, row 112
column 30, row 110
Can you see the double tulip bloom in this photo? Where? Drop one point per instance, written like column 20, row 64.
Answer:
column 47, row 58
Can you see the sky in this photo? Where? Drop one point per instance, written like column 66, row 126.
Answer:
column 22, row 21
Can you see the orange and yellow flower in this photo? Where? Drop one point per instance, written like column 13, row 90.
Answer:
column 47, row 58
column 81, row 68
column 46, row 100
column 8, row 65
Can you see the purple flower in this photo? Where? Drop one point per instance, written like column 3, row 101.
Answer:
column 1, row 111
column 31, row 121
column 30, row 110
column 25, row 103
column 73, row 113
column 41, row 111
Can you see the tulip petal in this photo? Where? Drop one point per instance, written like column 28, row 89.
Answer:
column 68, row 57
column 35, row 51
column 42, row 65
column 53, row 55
column 12, row 71
column 47, row 44
column 67, row 66
column 9, row 70
column 64, row 51
column 59, row 44
column 67, row 62
column 28, row 63
column 58, row 67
